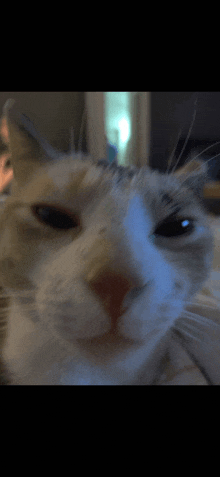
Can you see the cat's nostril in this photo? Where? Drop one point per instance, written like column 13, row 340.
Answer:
column 136, row 291
column 111, row 288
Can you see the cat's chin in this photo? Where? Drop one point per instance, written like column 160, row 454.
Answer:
column 111, row 337
column 109, row 343
column 133, row 328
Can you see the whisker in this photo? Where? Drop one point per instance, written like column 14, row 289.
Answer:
column 28, row 306
column 202, row 152
column 169, row 162
column 206, row 162
column 72, row 146
column 185, row 177
column 81, row 133
column 4, row 294
column 22, row 292
column 187, row 138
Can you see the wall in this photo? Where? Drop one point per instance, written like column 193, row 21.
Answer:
column 172, row 112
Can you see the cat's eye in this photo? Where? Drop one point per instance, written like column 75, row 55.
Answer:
column 174, row 228
column 55, row 218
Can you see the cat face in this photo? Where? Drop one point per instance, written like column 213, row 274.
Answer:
column 107, row 253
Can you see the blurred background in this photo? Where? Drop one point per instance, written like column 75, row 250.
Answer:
column 136, row 127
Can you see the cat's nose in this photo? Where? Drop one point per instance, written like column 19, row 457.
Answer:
column 111, row 289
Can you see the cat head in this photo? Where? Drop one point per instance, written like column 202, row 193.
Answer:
column 105, row 251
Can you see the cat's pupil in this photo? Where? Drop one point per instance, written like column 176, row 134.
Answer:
column 55, row 218
column 174, row 228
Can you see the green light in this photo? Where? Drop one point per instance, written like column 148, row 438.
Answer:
column 124, row 128
column 118, row 121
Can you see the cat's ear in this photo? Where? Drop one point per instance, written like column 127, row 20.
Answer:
column 27, row 148
column 194, row 174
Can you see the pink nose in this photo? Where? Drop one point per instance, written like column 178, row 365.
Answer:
column 111, row 289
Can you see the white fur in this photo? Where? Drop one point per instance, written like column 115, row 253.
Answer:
column 64, row 334
column 34, row 356
column 48, row 352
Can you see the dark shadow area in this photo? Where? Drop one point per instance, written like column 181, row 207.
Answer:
column 171, row 116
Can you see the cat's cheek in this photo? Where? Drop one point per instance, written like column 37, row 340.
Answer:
column 139, row 325
column 11, row 275
column 157, row 308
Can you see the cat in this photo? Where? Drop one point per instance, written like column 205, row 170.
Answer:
column 97, row 261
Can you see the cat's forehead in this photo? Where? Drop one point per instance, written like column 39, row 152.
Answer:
column 82, row 180
column 157, row 187
column 70, row 179
column 82, row 173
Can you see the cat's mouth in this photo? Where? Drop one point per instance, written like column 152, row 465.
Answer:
column 108, row 342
